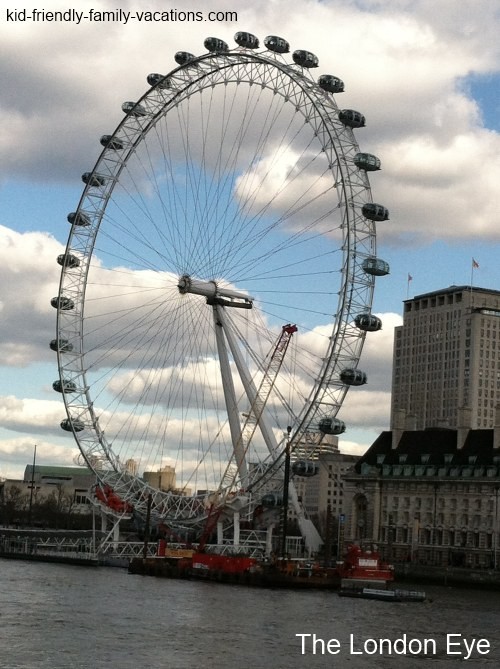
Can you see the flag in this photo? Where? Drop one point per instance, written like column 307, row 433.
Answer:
column 410, row 278
column 475, row 265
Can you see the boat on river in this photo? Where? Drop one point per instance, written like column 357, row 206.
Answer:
column 384, row 595
column 359, row 567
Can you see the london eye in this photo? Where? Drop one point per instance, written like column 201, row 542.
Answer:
column 230, row 202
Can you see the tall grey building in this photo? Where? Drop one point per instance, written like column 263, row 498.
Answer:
column 446, row 367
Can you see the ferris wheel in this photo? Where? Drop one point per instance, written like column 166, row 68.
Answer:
column 230, row 201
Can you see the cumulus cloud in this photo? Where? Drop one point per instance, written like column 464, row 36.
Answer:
column 30, row 415
column 17, row 452
column 28, row 280
column 405, row 64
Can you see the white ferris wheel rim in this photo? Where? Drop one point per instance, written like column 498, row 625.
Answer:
column 99, row 352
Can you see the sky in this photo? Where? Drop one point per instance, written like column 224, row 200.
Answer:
column 425, row 74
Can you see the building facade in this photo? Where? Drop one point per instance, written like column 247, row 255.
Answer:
column 447, row 358
column 429, row 496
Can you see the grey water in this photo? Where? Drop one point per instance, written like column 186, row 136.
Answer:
column 67, row 617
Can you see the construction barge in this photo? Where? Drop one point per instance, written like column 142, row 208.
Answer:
column 359, row 567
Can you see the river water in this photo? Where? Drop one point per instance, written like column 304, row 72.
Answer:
column 67, row 617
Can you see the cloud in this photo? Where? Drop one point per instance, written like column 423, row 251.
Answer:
column 30, row 415
column 16, row 453
column 406, row 66
column 28, row 280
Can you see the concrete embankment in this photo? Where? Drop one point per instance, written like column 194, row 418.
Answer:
column 456, row 576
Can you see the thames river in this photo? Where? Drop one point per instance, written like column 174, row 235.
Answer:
column 66, row 617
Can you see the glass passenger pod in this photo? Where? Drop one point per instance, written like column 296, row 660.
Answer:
column 272, row 500
column 331, row 426
column 215, row 45
column 68, row 260
column 305, row 59
column 78, row 218
column 368, row 322
column 65, row 386
column 276, row 44
column 61, row 345
column 133, row 109
column 331, row 84
column 62, row 303
column 367, row 162
column 110, row 142
column 73, row 425
column 375, row 266
column 158, row 80
column 183, row 57
column 305, row 468
column 353, row 377
column 375, row 212
column 352, row 118
column 246, row 40
column 92, row 179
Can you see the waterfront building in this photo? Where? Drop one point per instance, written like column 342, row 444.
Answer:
column 427, row 490
column 70, row 485
column 429, row 496
column 446, row 357
column 162, row 479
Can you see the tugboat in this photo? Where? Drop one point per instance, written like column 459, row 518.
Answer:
column 364, row 569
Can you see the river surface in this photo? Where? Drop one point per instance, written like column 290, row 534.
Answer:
column 66, row 617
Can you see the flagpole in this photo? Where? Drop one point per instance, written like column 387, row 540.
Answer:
column 474, row 265
column 410, row 278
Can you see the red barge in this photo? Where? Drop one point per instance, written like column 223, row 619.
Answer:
column 359, row 569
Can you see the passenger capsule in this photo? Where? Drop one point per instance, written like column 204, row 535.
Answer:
column 375, row 266
column 331, row 426
column 65, row 386
column 183, row 57
column 368, row 322
column 68, row 260
column 158, row 80
column 134, row 109
column 78, row 218
column 375, row 212
column 61, row 345
column 331, row 84
column 214, row 44
column 73, row 425
column 92, row 179
column 110, row 142
column 367, row 162
column 305, row 59
column 272, row 500
column 305, row 468
column 246, row 40
column 62, row 303
column 352, row 118
column 276, row 44
column 353, row 377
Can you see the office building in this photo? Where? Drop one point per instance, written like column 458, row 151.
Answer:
column 446, row 358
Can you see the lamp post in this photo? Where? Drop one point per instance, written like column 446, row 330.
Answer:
column 495, row 529
column 32, row 486
column 286, row 483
